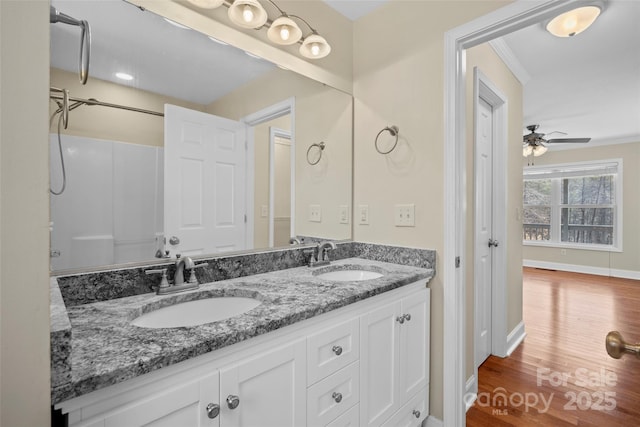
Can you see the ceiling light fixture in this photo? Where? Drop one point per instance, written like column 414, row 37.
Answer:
column 283, row 30
column 124, row 76
column 574, row 21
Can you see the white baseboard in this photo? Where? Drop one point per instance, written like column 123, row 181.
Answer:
column 586, row 269
column 432, row 421
column 471, row 392
column 515, row 337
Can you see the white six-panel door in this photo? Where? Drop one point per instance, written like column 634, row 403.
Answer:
column 204, row 181
column 483, row 226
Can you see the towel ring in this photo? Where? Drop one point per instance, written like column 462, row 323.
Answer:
column 320, row 147
column 394, row 131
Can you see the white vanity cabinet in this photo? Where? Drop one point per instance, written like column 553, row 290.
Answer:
column 394, row 343
column 365, row 364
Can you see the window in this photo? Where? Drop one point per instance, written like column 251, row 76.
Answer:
column 574, row 205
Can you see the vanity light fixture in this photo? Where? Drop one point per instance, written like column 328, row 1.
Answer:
column 575, row 21
column 247, row 14
column 283, row 30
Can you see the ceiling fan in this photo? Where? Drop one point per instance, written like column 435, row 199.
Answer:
column 535, row 143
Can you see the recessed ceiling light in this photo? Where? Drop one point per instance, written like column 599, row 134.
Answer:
column 124, row 76
column 175, row 24
column 213, row 39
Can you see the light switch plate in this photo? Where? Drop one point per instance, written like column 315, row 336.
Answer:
column 343, row 214
column 363, row 214
column 315, row 213
column 405, row 215
column 264, row 211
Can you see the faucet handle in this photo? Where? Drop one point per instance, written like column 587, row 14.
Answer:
column 192, row 274
column 164, row 283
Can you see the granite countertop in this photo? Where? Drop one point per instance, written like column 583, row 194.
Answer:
column 105, row 349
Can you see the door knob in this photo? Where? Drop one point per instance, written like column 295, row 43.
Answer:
column 337, row 350
column 617, row 346
column 416, row 413
column 213, row 410
column 233, row 401
column 400, row 319
column 493, row 243
column 337, row 396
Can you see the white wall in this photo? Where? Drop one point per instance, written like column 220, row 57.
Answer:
column 24, row 214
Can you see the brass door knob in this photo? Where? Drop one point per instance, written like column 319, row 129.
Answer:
column 617, row 346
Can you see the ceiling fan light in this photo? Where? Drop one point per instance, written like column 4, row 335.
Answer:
column 207, row 4
column 527, row 150
column 539, row 150
column 247, row 14
column 315, row 47
column 574, row 21
column 284, row 31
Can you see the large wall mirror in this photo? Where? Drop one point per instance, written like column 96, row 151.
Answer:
column 222, row 151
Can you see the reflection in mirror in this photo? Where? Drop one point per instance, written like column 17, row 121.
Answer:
column 132, row 183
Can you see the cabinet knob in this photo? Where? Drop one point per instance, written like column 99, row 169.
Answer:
column 213, row 410
column 337, row 396
column 416, row 413
column 233, row 401
column 400, row 319
column 337, row 350
column 407, row 317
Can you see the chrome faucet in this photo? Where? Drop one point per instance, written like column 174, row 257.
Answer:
column 320, row 255
column 178, row 285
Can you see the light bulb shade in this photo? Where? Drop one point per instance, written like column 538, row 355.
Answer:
column 527, row 150
column 284, row 31
column 247, row 14
column 315, row 47
column 207, row 4
column 574, row 21
column 539, row 150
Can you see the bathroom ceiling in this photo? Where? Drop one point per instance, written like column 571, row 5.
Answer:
column 355, row 9
column 153, row 51
column 587, row 85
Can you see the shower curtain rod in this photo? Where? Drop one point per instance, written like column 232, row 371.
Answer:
column 105, row 104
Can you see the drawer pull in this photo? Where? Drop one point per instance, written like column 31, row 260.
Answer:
column 337, row 350
column 233, row 401
column 213, row 410
column 400, row 319
column 416, row 413
column 337, row 396
column 407, row 317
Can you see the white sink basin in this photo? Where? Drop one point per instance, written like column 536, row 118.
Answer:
column 349, row 275
column 195, row 313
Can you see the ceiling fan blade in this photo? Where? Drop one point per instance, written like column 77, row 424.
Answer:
column 568, row 140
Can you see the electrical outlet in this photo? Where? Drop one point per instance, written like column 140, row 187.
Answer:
column 315, row 213
column 343, row 214
column 363, row 214
column 405, row 215
column 264, row 211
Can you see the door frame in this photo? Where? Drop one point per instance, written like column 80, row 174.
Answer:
column 279, row 109
column 280, row 133
column 502, row 21
column 484, row 89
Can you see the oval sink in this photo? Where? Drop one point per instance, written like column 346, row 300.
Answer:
column 349, row 275
column 195, row 313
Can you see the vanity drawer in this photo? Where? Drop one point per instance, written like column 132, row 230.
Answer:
column 332, row 349
column 351, row 418
column 413, row 412
column 333, row 396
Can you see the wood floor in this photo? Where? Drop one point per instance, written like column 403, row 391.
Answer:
column 561, row 374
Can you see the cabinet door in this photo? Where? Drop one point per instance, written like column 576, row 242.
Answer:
column 181, row 405
column 379, row 344
column 414, row 345
column 412, row 413
column 271, row 389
